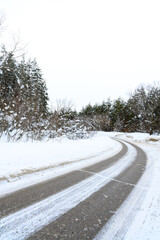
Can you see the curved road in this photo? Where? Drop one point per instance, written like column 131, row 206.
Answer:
column 73, row 206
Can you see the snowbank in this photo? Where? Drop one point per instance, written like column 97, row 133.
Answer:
column 43, row 160
column 139, row 216
column 136, row 137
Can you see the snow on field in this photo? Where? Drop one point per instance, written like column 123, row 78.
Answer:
column 26, row 163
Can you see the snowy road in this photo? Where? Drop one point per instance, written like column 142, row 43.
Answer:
column 79, row 204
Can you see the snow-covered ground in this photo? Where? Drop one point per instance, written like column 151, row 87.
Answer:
column 23, row 164
column 26, row 163
column 139, row 216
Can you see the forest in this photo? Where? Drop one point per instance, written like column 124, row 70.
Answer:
column 25, row 111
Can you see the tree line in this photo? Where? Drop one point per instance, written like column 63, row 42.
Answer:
column 24, row 107
column 140, row 113
column 24, row 103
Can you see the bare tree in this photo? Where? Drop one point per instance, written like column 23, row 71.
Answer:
column 63, row 105
column 15, row 48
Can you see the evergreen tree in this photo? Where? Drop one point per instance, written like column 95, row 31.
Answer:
column 23, row 95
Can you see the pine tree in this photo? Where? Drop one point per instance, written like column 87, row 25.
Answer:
column 23, row 95
column 9, row 89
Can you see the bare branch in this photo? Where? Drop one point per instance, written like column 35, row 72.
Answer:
column 64, row 104
column 17, row 47
column 2, row 20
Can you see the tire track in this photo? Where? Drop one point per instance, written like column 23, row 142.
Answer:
column 25, row 197
column 88, row 217
column 119, row 224
column 24, row 222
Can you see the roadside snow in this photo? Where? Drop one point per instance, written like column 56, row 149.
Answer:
column 136, row 137
column 26, row 163
column 21, row 224
column 139, row 216
column 147, row 220
column 23, row 164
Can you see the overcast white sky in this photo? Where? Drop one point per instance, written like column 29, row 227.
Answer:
column 89, row 50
